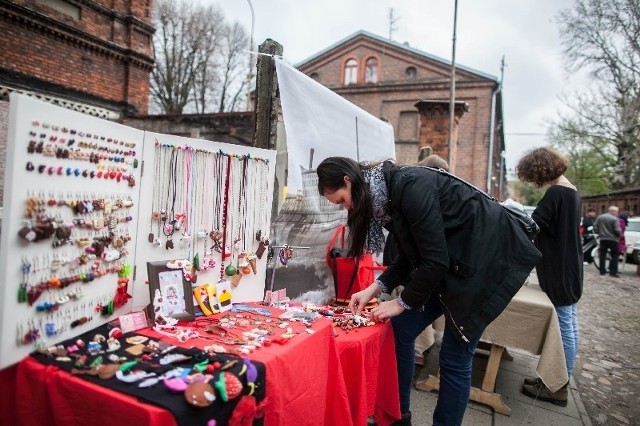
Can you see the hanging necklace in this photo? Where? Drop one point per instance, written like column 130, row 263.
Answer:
column 225, row 214
column 155, row 214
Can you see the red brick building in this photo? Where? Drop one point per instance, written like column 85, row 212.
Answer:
column 94, row 56
column 411, row 89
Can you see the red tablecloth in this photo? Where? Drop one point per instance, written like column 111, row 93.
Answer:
column 314, row 379
column 368, row 364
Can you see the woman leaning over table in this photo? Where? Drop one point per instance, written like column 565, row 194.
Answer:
column 560, row 269
column 459, row 254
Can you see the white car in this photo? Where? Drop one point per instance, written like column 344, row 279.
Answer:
column 632, row 238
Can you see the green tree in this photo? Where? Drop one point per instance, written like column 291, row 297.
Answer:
column 589, row 170
column 527, row 193
column 603, row 37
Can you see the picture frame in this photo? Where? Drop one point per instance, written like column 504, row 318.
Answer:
column 176, row 299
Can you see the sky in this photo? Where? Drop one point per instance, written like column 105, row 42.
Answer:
column 524, row 32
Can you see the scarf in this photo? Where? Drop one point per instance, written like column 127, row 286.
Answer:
column 380, row 207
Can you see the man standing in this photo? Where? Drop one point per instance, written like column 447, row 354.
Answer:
column 587, row 235
column 608, row 229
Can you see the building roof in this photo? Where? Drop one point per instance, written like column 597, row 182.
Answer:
column 396, row 45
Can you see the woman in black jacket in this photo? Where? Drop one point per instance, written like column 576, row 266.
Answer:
column 459, row 254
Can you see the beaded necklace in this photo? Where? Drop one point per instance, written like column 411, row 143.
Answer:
column 156, row 188
column 225, row 214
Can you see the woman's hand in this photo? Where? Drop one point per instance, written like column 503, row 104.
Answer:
column 386, row 310
column 360, row 299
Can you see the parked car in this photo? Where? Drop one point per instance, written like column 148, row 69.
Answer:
column 632, row 238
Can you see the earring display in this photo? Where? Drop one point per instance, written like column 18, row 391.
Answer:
column 68, row 230
column 71, row 238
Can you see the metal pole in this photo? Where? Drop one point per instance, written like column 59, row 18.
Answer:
column 452, row 97
column 357, row 142
column 250, row 73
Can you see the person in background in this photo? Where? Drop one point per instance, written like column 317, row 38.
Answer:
column 459, row 254
column 607, row 226
column 622, row 242
column 560, row 271
column 587, row 221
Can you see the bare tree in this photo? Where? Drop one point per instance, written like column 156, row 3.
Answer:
column 603, row 37
column 233, row 69
column 184, row 44
column 206, row 75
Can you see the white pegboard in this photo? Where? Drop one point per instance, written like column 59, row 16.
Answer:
column 251, row 287
column 58, row 181
column 46, row 177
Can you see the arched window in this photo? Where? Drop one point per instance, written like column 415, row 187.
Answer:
column 410, row 72
column 315, row 76
column 371, row 71
column 351, row 72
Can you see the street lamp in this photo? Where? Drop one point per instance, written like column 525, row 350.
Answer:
column 452, row 97
column 250, row 72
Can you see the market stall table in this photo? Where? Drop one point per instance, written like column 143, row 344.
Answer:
column 528, row 323
column 313, row 379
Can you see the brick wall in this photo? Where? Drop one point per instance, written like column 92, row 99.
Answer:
column 4, row 129
column 397, row 93
column 106, row 53
column 233, row 127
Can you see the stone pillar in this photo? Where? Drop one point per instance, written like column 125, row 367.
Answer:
column 434, row 127
column 266, row 114
column 267, row 103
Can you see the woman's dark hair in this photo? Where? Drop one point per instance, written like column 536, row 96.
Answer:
column 541, row 166
column 331, row 173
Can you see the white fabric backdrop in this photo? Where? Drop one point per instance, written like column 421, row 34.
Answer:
column 315, row 117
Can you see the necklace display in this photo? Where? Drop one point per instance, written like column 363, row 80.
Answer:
column 205, row 203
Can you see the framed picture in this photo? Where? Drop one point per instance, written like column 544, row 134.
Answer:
column 169, row 292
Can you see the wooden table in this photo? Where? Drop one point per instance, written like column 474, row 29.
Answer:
column 528, row 323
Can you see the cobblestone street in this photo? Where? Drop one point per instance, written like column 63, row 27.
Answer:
column 607, row 371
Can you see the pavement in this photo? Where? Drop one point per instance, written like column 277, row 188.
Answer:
column 524, row 410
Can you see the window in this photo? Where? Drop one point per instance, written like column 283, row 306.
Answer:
column 351, row 72
column 410, row 73
column 63, row 7
column 371, row 71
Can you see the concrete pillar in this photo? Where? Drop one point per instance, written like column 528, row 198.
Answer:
column 266, row 114
column 434, row 127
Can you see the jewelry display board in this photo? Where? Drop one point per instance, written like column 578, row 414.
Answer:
column 205, row 209
column 86, row 207
column 70, row 217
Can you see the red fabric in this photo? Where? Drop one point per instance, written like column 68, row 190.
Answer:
column 346, row 278
column 313, row 379
column 368, row 360
column 47, row 395
column 8, row 412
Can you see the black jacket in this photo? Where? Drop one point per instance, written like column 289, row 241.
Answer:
column 461, row 246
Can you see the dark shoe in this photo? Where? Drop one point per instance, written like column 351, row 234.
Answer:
column 405, row 420
column 615, row 276
column 542, row 393
column 603, row 273
column 531, row 381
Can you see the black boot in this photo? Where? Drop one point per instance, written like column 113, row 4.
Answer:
column 405, row 420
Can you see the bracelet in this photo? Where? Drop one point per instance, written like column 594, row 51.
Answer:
column 383, row 287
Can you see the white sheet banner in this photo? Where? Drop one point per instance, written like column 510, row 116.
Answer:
column 317, row 118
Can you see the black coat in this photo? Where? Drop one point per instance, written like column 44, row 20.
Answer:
column 461, row 246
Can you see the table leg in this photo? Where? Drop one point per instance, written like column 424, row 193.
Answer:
column 486, row 395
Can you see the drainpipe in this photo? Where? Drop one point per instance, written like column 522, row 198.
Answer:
column 492, row 127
